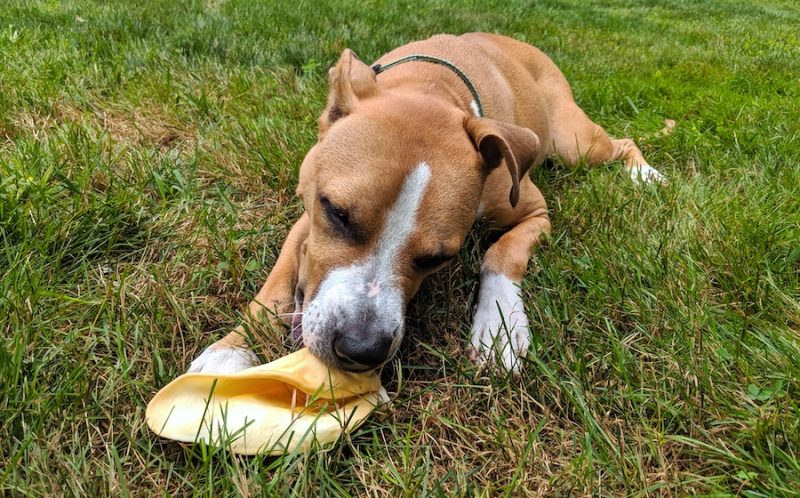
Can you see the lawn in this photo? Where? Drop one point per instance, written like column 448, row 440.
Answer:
column 148, row 160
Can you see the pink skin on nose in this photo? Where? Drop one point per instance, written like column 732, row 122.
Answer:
column 373, row 288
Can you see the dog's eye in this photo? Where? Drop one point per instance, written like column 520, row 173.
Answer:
column 337, row 215
column 339, row 218
column 431, row 261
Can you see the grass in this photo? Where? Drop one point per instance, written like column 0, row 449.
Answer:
column 148, row 156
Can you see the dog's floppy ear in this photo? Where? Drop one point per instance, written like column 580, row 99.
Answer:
column 498, row 141
column 350, row 80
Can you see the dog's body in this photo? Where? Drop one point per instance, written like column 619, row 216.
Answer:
column 403, row 167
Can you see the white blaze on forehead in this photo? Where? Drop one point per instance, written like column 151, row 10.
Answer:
column 402, row 218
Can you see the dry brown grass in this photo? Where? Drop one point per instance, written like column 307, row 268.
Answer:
column 139, row 127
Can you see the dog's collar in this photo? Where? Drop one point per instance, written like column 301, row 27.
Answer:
column 379, row 68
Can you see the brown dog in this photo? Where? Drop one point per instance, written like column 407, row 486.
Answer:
column 407, row 159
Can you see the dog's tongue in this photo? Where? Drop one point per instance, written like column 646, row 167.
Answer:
column 297, row 325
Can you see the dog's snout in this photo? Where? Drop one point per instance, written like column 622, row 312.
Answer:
column 355, row 320
column 362, row 353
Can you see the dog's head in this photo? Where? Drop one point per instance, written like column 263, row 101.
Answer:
column 391, row 189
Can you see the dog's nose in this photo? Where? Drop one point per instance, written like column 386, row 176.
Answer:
column 356, row 353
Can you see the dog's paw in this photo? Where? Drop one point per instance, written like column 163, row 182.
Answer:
column 645, row 174
column 223, row 360
column 500, row 328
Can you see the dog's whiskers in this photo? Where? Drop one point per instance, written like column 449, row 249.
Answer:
column 285, row 315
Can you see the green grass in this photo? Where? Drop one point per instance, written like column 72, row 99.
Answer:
column 148, row 159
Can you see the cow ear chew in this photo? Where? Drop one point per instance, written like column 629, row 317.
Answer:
column 290, row 404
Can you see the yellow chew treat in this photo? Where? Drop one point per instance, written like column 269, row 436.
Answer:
column 271, row 409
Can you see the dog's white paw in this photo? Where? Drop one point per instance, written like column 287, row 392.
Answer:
column 646, row 174
column 500, row 328
column 223, row 360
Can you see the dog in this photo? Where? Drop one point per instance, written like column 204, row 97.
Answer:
column 411, row 152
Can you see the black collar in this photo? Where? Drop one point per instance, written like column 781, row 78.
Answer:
column 379, row 68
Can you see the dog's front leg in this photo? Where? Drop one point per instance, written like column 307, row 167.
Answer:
column 276, row 298
column 500, row 328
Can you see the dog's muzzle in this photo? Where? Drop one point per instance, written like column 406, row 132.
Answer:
column 354, row 323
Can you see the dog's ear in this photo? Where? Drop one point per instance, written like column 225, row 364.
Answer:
column 497, row 141
column 350, row 80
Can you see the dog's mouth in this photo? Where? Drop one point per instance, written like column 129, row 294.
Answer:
column 297, row 317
